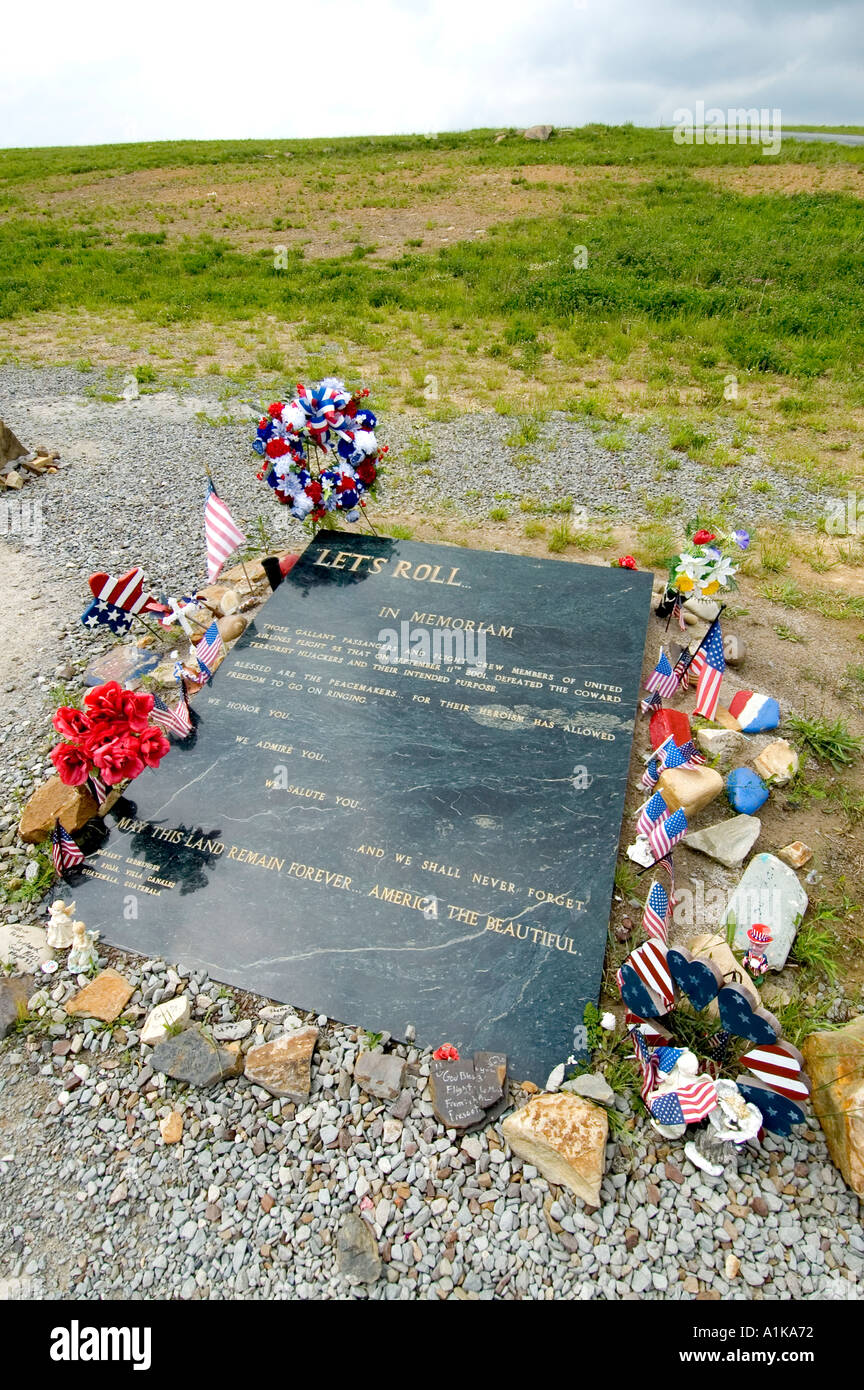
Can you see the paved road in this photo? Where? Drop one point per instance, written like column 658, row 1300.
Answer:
column 822, row 135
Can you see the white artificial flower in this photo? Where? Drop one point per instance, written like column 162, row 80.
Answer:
column 694, row 566
column 721, row 571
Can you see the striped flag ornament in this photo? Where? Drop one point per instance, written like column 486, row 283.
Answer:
column 64, row 851
column 654, row 811
column 781, row 1067
column 686, row 1106
column 209, row 649
column 221, row 532
column 655, row 916
column 649, row 962
column 666, row 833
column 174, row 721
column 662, row 679
column 650, row 703
column 708, row 665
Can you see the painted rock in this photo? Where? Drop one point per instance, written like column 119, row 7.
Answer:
column 664, row 722
column 755, row 713
column 769, row 892
column 746, row 791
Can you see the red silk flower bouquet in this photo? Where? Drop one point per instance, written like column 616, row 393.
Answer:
column 111, row 738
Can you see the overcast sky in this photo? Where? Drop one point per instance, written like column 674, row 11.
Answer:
column 98, row 72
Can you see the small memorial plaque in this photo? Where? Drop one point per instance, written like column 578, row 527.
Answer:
column 402, row 800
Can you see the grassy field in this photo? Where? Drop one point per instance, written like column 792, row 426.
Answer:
column 609, row 271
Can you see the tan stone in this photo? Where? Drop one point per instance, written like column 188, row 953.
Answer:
column 171, row 1127
column 796, row 855
column 778, row 762
column 733, row 649
column 732, row 1266
column 564, row 1137
column 13, row 480
column 692, row 788
column 715, row 948
column 283, row 1067
column 11, row 447
column 53, row 801
column 104, row 998
column 232, row 627
column 835, row 1065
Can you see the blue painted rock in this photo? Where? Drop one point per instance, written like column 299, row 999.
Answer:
column 746, row 791
column 770, row 894
column 754, row 713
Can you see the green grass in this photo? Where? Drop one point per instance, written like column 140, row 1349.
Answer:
column 815, row 948
column 829, row 739
column 677, row 268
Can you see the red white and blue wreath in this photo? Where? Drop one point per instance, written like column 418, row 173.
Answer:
column 322, row 457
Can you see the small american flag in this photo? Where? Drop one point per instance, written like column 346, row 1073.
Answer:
column 654, row 811
column 221, row 532
column 682, row 668
column 174, row 721
column 650, row 703
column 209, row 649
column 655, row 917
column 666, row 833
column 647, row 1062
column 662, row 679
column 656, row 764
column 686, row 1106
column 678, row 610
column 709, row 663
column 64, row 851
column 97, row 786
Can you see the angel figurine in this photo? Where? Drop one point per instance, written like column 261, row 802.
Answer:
column 731, row 1123
column 59, row 928
column 82, row 954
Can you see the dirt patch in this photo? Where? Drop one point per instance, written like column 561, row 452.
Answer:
column 328, row 213
column 787, row 178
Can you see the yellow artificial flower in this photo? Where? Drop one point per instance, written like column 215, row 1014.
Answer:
column 683, row 583
column 711, row 588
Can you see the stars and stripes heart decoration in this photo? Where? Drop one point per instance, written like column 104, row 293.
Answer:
column 780, row 1066
column 640, row 1000
column 778, row 1113
column 740, row 1018
column 699, row 979
column 125, row 591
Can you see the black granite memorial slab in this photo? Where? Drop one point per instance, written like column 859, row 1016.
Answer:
column 389, row 842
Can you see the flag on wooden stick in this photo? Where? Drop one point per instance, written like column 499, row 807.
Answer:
column 221, row 532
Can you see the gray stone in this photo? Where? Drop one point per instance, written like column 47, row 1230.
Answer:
column 728, row 841
column 538, row 132
column 723, row 745
column 380, row 1074
column 769, row 893
column 193, row 1057
column 356, row 1251
column 14, row 994
column 593, row 1085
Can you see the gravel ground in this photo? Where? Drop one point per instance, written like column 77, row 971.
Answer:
column 142, row 463
column 249, row 1202
column 96, row 1206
